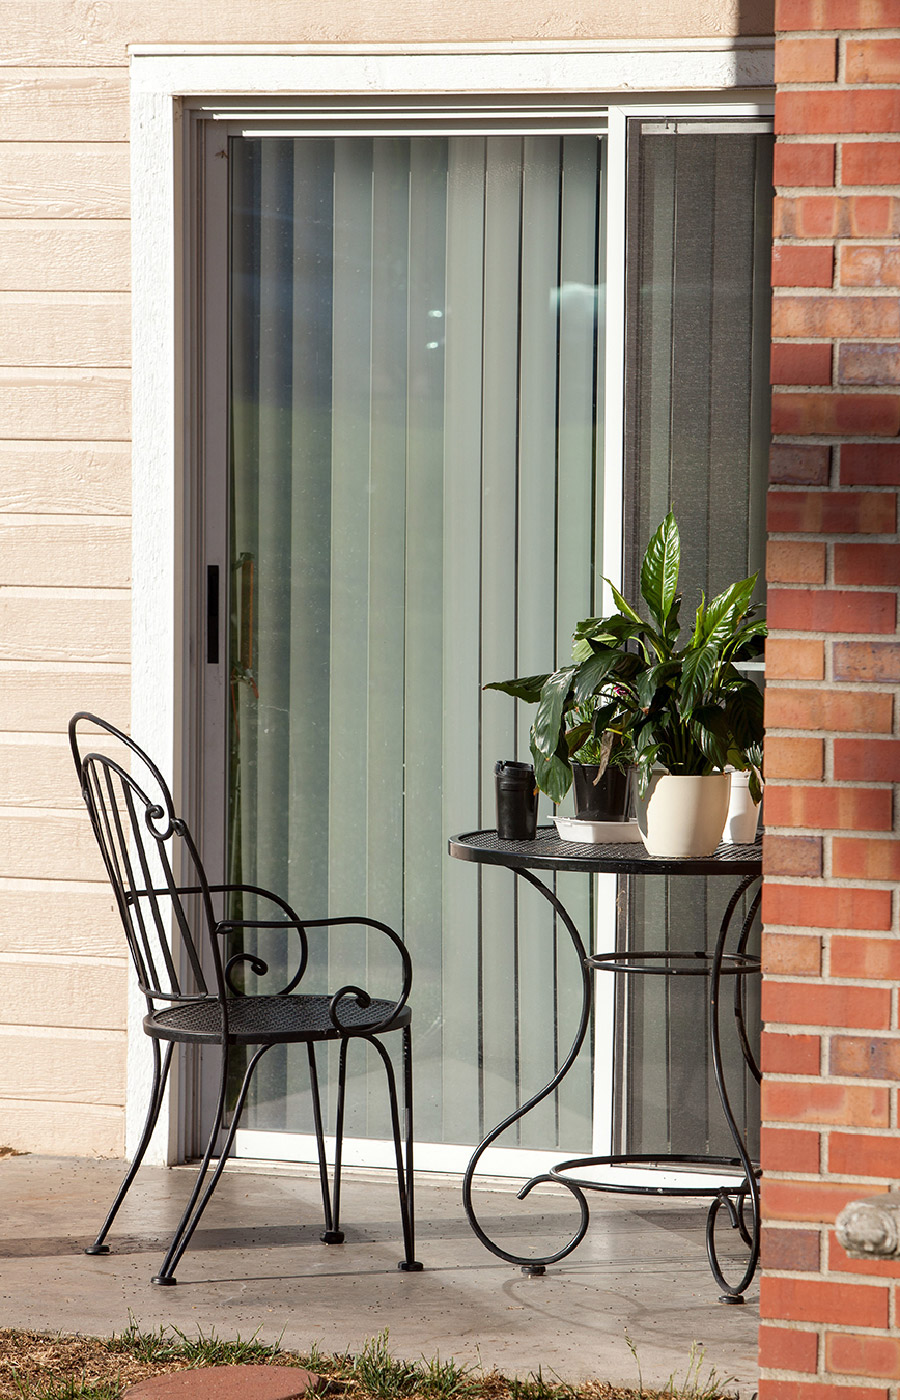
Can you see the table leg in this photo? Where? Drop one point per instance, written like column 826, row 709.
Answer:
column 733, row 1293
column 537, row 1264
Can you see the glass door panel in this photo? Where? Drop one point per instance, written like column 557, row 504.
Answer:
column 416, row 347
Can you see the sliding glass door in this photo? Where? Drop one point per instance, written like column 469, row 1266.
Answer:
column 415, row 406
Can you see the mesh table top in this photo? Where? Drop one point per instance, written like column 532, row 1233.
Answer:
column 548, row 852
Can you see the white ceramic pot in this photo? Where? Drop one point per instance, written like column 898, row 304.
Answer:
column 683, row 817
column 743, row 813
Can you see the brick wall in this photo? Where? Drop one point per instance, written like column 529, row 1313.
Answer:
column 831, row 1051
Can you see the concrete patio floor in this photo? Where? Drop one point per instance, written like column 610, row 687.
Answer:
column 256, row 1265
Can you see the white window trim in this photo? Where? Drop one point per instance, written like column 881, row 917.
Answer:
column 682, row 75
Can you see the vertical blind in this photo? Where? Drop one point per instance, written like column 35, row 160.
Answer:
column 697, row 436
column 416, row 353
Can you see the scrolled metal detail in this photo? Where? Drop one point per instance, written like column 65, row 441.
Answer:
column 256, row 965
column 359, row 995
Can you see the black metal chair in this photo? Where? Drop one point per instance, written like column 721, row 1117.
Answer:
column 164, row 898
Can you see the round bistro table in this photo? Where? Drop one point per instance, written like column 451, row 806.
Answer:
column 730, row 1183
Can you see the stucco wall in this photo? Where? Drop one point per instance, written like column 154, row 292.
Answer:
column 65, row 473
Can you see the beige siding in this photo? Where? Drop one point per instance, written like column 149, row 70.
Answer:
column 65, row 478
column 75, row 921
column 56, row 32
column 62, row 1069
column 94, row 1131
column 42, row 696
column 65, row 328
column 48, row 255
column 65, row 475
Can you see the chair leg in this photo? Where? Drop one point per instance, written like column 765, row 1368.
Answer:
column 330, row 1235
column 409, row 1263
column 335, row 1234
column 160, row 1075
column 197, row 1205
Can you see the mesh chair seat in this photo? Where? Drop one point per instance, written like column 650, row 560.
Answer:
column 259, row 1020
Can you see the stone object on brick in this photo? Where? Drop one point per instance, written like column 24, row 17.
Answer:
column 870, row 1229
column 227, row 1383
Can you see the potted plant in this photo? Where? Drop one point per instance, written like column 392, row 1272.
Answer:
column 693, row 714
column 676, row 707
column 578, row 734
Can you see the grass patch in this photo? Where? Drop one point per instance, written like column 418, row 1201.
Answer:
column 37, row 1366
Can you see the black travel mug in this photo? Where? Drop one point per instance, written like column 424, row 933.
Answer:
column 517, row 800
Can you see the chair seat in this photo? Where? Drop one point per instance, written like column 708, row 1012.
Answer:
column 260, row 1020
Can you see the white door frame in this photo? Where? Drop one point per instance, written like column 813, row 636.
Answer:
column 691, row 75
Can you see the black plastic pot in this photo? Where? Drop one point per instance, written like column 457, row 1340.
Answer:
column 603, row 801
column 517, row 800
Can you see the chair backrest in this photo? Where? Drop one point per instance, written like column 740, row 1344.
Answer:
column 153, row 865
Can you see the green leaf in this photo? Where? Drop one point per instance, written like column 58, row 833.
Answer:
column 525, row 688
column 697, row 672
column 592, row 673
column 547, row 726
column 551, row 772
column 709, row 731
column 578, row 735
column 744, row 712
column 659, row 571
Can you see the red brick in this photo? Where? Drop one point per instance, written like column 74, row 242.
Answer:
column 836, row 216
column 864, row 1057
column 792, row 955
column 793, row 757
column 846, row 1105
column 854, row 956
column 788, row 1349
column 861, row 1354
column 813, row 113
column 837, row 14
column 866, row 563
column 800, row 659
column 865, row 859
column 818, row 1300
column 866, row 364
column 805, row 61
column 860, row 1154
column 870, row 163
column 802, row 165
column 803, row 316
column 795, row 561
column 803, row 267
column 790, row 1150
column 867, row 661
column 796, row 464
column 794, row 363
column 829, row 808
column 791, row 1054
column 818, row 906
column 831, row 610
column 870, row 61
column 829, row 1004
column 867, row 266
column 876, row 415
column 870, row 464
column 867, row 711
column 840, row 1262
column 809, row 1201
column 871, row 760
column 832, row 512
column 791, row 855
column 791, row 1250
column 816, row 1390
